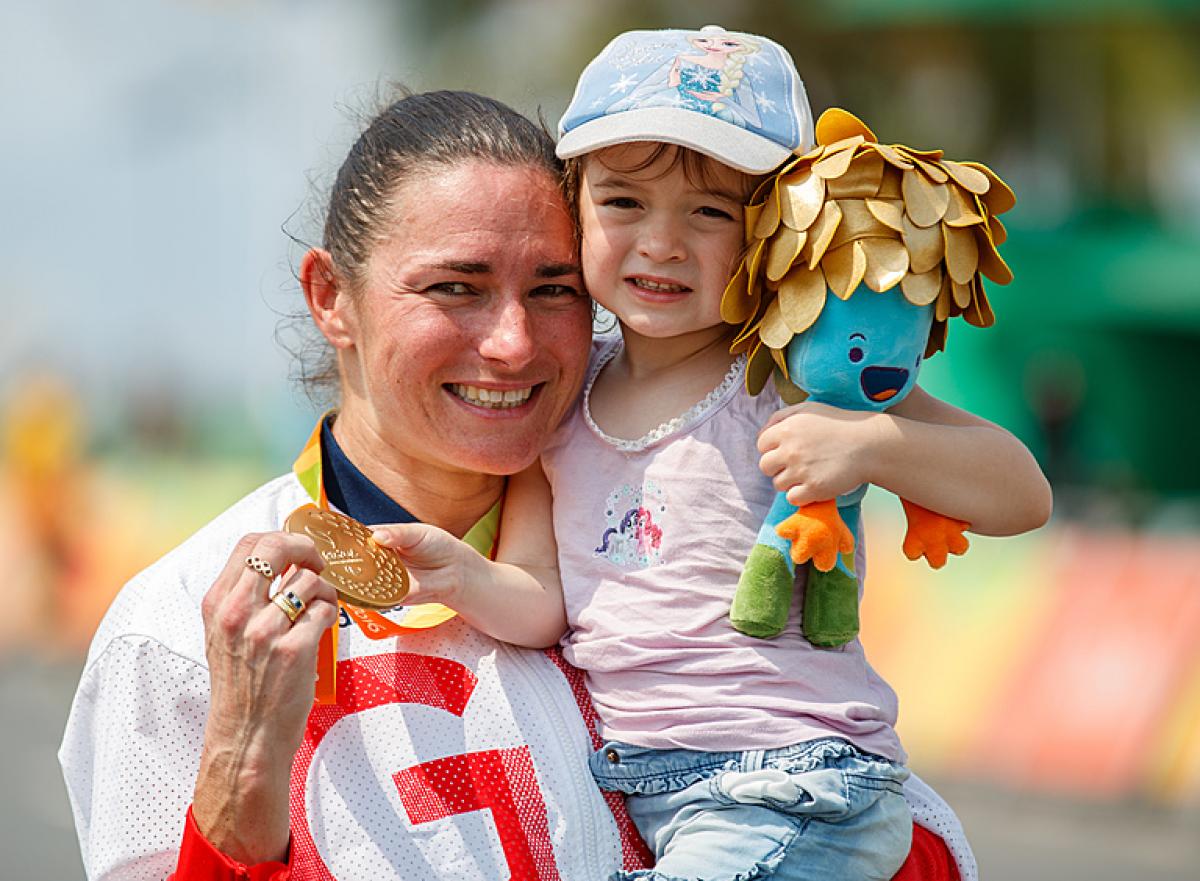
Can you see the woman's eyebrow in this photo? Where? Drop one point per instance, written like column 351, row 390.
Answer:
column 466, row 268
column 543, row 270
column 556, row 270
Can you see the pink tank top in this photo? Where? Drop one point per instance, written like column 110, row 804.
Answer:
column 652, row 535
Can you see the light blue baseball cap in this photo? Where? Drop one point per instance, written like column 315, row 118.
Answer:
column 732, row 96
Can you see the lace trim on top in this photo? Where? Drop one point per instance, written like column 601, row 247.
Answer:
column 693, row 414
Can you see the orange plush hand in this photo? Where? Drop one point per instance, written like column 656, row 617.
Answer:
column 817, row 533
column 932, row 536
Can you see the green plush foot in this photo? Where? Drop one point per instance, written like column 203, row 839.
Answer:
column 830, row 607
column 764, row 594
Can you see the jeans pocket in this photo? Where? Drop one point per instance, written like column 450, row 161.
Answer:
column 822, row 793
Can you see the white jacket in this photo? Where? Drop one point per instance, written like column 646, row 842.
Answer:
column 450, row 755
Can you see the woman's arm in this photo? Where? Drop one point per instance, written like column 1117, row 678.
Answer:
column 517, row 598
column 923, row 450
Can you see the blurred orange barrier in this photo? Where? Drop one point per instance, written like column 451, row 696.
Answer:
column 948, row 640
column 1174, row 768
column 124, row 516
column 1088, row 707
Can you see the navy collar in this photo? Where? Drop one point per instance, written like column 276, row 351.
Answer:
column 351, row 491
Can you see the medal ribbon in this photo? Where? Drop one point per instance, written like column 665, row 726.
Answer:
column 481, row 536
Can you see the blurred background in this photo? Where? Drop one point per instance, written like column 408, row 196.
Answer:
column 163, row 162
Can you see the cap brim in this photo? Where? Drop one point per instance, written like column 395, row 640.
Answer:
column 728, row 143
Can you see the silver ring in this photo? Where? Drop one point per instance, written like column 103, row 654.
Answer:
column 290, row 604
column 261, row 566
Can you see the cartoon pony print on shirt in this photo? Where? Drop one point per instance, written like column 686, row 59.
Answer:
column 632, row 538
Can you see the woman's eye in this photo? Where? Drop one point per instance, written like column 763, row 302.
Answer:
column 556, row 290
column 712, row 211
column 458, row 288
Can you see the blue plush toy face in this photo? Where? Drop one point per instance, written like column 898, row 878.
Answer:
column 863, row 353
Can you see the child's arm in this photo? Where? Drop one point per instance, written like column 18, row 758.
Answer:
column 516, row 599
column 923, row 450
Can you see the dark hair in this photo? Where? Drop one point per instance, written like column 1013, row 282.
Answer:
column 411, row 136
column 698, row 170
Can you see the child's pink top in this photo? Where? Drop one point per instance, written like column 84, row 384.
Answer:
column 652, row 535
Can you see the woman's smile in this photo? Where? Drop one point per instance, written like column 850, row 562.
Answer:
column 491, row 398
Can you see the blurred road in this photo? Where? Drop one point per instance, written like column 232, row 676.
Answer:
column 1015, row 837
column 37, row 838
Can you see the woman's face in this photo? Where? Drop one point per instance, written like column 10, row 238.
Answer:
column 468, row 337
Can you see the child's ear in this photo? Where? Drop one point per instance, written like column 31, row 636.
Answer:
column 328, row 301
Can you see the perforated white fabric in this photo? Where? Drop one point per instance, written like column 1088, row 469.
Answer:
column 931, row 811
column 378, row 788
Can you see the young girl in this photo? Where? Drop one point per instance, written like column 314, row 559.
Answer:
column 741, row 757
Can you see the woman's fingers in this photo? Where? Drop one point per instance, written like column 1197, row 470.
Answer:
column 298, row 586
column 320, row 606
column 238, row 608
column 269, row 557
column 231, row 573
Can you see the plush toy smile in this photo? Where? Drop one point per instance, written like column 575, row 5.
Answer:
column 883, row 383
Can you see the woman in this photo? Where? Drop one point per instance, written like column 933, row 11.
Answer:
column 449, row 290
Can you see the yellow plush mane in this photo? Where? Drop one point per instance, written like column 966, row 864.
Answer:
column 854, row 210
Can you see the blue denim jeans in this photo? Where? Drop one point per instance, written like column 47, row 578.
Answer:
column 819, row 811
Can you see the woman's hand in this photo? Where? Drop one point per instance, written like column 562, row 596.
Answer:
column 262, row 667
column 816, row 452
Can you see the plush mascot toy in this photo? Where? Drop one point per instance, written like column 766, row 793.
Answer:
column 899, row 237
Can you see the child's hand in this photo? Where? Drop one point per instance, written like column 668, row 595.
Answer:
column 816, row 452
column 437, row 561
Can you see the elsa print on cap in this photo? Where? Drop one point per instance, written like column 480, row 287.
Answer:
column 732, row 96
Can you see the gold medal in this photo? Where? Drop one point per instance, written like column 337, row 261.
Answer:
column 362, row 572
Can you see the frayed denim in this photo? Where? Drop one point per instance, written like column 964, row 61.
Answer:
column 816, row 811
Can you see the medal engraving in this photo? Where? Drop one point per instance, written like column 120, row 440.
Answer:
column 362, row 572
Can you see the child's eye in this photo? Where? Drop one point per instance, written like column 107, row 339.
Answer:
column 621, row 202
column 713, row 211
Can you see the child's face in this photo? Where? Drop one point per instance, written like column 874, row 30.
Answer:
column 659, row 245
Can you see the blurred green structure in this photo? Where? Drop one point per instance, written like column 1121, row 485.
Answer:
column 1088, row 108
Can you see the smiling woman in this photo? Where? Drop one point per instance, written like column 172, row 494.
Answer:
column 448, row 289
column 478, row 269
